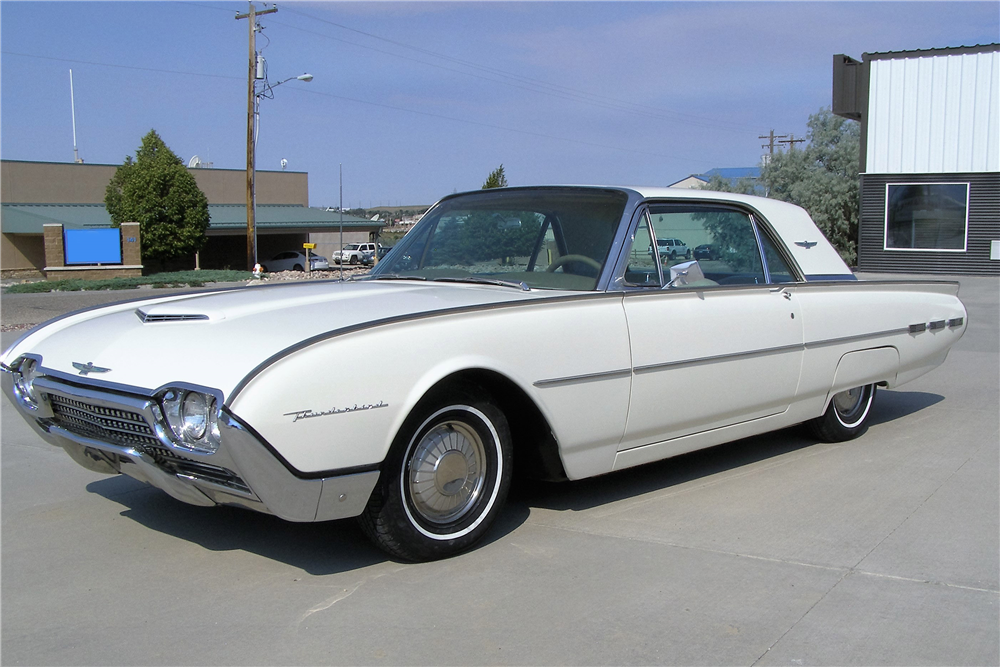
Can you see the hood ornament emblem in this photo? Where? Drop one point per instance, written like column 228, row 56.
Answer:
column 89, row 367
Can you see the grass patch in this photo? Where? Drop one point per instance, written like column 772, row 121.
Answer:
column 173, row 279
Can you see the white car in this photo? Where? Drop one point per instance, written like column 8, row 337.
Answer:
column 294, row 260
column 559, row 348
column 355, row 253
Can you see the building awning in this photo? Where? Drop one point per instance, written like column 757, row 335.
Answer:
column 224, row 219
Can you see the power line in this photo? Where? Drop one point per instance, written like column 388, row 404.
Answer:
column 132, row 67
column 538, row 85
column 501, row 127
column 379, row 104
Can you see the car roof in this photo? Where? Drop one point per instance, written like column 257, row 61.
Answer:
column 792, row 223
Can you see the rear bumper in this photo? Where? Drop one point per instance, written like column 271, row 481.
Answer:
column 242, row 472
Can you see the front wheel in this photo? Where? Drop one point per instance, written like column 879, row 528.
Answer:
column 847, row 415
column 354, row 259
column 445, row 480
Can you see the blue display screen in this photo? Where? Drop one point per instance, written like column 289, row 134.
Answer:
column 93, row 246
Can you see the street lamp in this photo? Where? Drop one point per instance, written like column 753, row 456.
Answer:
column 253, row 132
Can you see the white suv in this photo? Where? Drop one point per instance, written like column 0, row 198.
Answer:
column 673, row 248
column 355, row 253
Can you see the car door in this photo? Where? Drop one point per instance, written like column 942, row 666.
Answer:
column 713, row 342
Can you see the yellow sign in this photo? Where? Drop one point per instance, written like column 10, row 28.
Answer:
column 309, row 246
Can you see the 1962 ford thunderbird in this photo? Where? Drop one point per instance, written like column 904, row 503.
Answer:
column 535, row 328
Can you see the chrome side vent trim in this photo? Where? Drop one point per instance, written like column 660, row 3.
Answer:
column 149, row 319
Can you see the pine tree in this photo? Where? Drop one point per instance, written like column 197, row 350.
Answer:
column 497, row 179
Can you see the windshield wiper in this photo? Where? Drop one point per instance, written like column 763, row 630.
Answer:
column 521, row 285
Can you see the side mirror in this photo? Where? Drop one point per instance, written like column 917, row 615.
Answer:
column 685, row 273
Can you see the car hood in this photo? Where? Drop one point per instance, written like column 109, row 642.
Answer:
column 216, row 339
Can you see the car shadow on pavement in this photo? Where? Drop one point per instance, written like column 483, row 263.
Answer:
column 633, row 482
column 339, row 546
column 324, row 548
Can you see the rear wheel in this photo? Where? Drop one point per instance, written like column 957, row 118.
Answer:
column 847, row 415
column 445, row 480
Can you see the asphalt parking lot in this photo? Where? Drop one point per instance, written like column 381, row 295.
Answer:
column 775, row 550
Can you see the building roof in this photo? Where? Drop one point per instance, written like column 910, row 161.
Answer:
column 927, row 53
column 731, row 174
column 31, row 218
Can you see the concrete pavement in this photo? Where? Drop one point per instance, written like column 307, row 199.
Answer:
column 774, row 550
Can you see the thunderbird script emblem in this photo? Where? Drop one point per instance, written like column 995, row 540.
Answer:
column 89, row 367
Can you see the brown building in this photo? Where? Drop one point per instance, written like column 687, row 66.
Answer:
column 33, row 194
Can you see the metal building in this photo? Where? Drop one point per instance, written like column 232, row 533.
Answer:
column 930, row 157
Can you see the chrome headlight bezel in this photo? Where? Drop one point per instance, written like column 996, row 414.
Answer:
column 188, row 417
column 24, row 372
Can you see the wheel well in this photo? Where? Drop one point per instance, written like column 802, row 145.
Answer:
column 536, row 453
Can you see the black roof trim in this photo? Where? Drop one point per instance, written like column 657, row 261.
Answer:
column 925, row 53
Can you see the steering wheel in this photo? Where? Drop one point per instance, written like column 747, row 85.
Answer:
column 565, row 259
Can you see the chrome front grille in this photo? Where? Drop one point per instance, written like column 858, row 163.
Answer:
column 170, row 460
column 120, row 427
column 131, row 429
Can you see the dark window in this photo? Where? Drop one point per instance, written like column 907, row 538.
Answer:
column 926, row 216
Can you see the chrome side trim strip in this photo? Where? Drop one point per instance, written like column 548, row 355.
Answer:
column 650, row 368
column 412, row 317
column 851, row 339
column 589, row 377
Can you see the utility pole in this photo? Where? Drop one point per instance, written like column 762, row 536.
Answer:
column 771, row 141
column 251, row 157
column 792, row 141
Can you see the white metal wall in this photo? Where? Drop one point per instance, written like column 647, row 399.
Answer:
column 937, row 114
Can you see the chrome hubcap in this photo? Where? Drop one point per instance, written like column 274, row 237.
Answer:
column 447, row 472
column 847, row 402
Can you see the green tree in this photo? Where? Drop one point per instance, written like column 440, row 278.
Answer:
column 821, row 178
column 497, row 179
column 157, row 191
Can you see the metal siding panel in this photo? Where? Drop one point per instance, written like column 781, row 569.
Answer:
column 967, row 120
column 898, row 103
column 910, row 91
column 953, row 113
column 937, row 114
column 983, row 227
column 923, row 128
column 986, row 92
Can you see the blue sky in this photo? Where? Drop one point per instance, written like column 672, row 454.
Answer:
column 418, row 100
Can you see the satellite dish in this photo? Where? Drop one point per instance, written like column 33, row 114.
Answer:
column 194, row 162
column 284, row 163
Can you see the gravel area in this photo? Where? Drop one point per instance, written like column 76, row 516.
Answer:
column 15, row 316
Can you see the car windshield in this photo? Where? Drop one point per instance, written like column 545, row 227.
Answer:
column 546, row 238
column 351, row 246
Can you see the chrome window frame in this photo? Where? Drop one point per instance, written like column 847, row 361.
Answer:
column 758, row 223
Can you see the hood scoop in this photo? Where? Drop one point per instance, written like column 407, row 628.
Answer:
column 150, row 317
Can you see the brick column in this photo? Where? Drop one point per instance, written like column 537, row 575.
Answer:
column 131, row 244
column 55, row 254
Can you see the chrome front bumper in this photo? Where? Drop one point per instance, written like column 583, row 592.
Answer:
column 242, row 472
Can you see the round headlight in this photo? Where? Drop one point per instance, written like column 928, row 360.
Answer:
column 194, row 415
column 25, row 381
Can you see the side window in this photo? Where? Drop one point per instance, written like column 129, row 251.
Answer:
column 643, row 267
column 720, row 239
column 777, row 268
